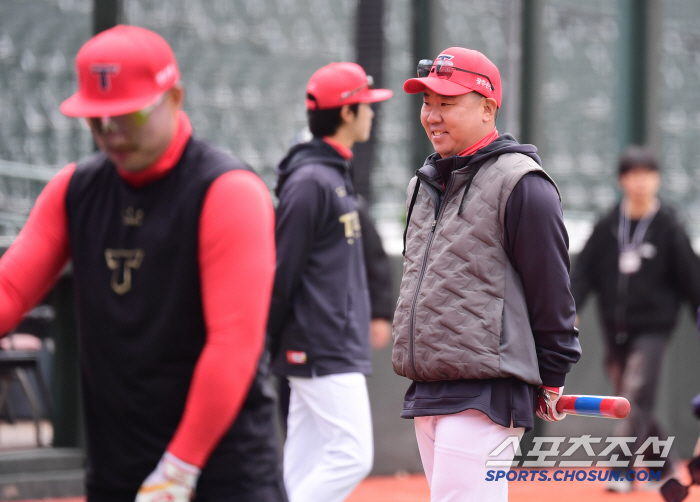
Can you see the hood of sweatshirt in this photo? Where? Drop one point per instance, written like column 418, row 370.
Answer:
column 315, row 151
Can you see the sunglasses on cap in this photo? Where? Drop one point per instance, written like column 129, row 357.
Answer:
column 673, row 491
column 444, row 69
column 124, row 123
column 368, row 85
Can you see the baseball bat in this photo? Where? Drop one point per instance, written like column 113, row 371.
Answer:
column 594, row 406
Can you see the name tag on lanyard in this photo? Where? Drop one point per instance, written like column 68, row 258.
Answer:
column 630, row 258
column 630, row 261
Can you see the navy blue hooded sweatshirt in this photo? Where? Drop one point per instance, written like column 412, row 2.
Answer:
column 319, row 315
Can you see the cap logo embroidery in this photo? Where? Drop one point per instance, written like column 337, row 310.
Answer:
column 165, row 75
column 443, row 57
column 483, row 83
column 105, row 71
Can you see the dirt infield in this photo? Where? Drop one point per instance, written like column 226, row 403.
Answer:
column 414, row 488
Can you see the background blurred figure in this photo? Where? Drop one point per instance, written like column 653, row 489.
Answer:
column 319, row 318
column 172, row 250
column 640, row 264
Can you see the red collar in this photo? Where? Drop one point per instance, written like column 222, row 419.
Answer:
column 480, row 144
column 170, row 157
column 343, row 150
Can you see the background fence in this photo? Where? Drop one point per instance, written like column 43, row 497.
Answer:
column 581, row 81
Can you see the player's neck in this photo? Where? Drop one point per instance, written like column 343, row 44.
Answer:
column 637, row 208
column 343, row 137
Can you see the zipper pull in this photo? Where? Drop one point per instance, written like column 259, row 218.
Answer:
column 433, row 226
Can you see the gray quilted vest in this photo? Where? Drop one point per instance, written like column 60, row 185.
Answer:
column 461, row 313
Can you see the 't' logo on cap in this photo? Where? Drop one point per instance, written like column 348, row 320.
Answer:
column 104, row 71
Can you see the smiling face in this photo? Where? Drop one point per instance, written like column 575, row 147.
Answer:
column 454, row 123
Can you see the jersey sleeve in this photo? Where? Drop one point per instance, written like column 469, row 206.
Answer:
column 236, row 260
column 34, row 261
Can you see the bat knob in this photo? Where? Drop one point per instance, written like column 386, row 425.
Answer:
column 621, row 408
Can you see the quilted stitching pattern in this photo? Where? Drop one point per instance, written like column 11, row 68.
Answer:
column 459, row 307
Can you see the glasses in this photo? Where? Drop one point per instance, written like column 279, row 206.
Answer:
column 124, row 123
column 368, row 85
column 444, row 69
column 673, row 491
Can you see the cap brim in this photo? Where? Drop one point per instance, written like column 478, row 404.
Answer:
column 438, row 85
column 375, row 95
column 80, row 106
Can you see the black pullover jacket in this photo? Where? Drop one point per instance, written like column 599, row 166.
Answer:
column 646, row 301
column 319, row 316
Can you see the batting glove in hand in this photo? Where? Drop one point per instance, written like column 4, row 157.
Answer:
column 172, row 481
column 547, row 405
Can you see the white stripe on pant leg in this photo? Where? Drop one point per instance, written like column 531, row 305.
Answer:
column 339, row 405
column 462, row 444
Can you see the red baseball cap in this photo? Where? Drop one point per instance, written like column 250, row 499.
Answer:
column 458, row 71
column 338, row 84
column 121, row 70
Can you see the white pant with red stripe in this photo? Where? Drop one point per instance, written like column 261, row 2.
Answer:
column 329, row 447
column 454, row 450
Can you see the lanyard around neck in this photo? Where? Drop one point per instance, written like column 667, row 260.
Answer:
column 624, row 225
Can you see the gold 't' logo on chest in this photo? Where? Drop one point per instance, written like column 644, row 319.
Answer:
column 121, row 262
column 351, row 221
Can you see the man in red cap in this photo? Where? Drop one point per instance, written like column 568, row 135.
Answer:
column 319, row 317
column 484, row 325
column 172, row 249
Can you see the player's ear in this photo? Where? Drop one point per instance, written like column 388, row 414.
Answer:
column 346, row 114
column 177, row 95
column 489, row 108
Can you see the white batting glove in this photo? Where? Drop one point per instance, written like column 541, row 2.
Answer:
column 547, row 403
column 172, row 481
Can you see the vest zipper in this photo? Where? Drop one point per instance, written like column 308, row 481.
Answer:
column 411, row 323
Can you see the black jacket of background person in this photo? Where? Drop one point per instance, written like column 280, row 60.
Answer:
column 319, row 315
column 138, row 350
column 648, row 300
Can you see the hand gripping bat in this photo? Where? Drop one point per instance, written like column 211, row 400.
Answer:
column 594, row 406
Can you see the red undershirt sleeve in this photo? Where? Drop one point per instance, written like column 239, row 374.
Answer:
column 34, row 261
column 237, row 264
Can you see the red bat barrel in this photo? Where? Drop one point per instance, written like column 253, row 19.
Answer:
column 594, row 406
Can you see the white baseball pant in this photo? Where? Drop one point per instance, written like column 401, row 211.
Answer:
column 454, row 450
column 329, row 447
